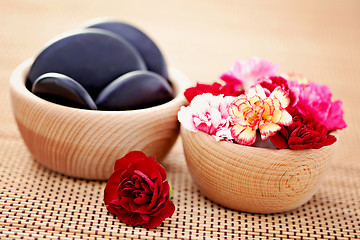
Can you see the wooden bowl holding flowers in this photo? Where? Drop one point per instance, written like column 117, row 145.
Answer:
column 262, row 150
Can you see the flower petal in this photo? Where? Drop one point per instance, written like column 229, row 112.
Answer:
column 250, row 71
column 268, row 130
column 257, row 91
column 286, row 118
column 156, row 220
column 279, row 141
column 112, row 185
column 185, row 116
column 276, row 115
column 268, row 109
column 234, row 109
column 282, row 96
column 125, row 161
column 243, row 134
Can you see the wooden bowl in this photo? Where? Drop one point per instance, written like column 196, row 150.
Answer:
column 254, row 179
column 85, row 143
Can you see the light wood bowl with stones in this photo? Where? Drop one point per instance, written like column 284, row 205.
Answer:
column 85, row 143
column 252, row 179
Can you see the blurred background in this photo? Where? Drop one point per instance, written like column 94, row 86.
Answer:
column 202, row 38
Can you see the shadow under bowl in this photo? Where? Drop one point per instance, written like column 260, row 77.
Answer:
column 85, row 143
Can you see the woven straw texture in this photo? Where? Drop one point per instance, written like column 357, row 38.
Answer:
column 202, row 38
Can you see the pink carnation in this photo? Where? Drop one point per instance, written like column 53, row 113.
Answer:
column 315, row 100
column 208, row 113
column 246, row 73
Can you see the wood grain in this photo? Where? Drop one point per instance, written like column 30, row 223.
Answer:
column 254, row 179
column 86, row 143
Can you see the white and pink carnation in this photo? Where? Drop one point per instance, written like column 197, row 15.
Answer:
column 208, row 113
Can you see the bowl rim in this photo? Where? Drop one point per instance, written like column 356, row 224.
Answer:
column 256, row 150
column 178, row 80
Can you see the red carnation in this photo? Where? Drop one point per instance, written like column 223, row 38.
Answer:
column 137, row 192
column 215, row 89
column 303, row 133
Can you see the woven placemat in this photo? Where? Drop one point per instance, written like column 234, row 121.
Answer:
column 37, row 203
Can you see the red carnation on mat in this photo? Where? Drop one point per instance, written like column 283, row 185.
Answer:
column 215, row 89
column 303, row 133
column 137, row 192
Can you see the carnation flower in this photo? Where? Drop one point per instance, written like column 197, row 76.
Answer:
column 215, row 89
column 270, row 83
column 315, row 100
column 251, row 117
column 137, row 192
column 246, row 73
column 303, row 133
column 255, row 110
column 208, row 113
